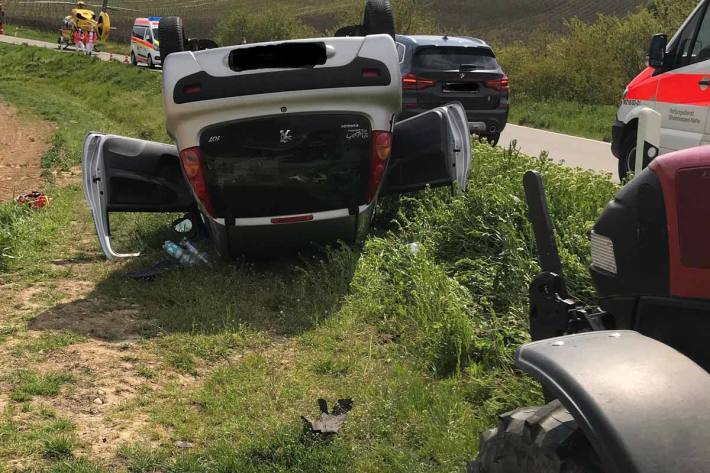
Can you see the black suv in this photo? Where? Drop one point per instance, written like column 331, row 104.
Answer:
column 438, row 70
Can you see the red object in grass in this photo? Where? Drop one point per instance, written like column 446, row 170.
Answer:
column 34, row 199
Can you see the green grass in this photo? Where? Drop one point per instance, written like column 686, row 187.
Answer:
column 58, row 447
column 422, row 342
column 35, row 437
column 589, row 121
column 27, row 384
column 48, row 342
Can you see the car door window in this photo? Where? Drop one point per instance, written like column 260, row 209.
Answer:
column 148, row 38
column 701, row 45
column 683, row 47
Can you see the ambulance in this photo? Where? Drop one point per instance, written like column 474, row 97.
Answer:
column 145, row 42
column 676, row 84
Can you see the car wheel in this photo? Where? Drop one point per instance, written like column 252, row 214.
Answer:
column 172, row 36
column 134, row 61
column 150, row 62
column 627, row 161
column 379, row 18
column 536, row 440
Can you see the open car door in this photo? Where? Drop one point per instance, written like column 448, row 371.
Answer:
column 128, row 175
column 430, row 149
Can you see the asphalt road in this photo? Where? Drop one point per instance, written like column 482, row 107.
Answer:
column 44, row 44
column 571, row 150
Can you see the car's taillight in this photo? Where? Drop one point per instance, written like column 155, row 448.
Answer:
column 194, row 168
column 412, row 82
column 380, row 151
column 501, row 85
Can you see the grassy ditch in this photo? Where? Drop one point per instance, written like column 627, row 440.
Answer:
column 109, row 374
column 588, row 121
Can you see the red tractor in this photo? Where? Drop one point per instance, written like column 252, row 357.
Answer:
column 627, row 382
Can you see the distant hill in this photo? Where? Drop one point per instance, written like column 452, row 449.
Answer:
column 495, row 20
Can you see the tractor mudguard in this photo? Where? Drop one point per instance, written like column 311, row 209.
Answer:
column 643, row 406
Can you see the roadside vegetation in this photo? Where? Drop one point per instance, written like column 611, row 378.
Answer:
column 210, row 368
column 568, row 65
column 573, row 82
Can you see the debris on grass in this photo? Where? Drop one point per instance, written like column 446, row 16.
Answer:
column 34, row 200
column 152, row 272
column 328, row 424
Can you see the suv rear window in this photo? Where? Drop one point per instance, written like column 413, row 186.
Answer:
column 288, row 164
column 451, row 58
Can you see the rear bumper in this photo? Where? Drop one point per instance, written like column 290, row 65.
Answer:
column 617, row 138
column 258, row 236
column 492, row 121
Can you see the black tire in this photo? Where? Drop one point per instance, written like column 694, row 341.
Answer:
column 151, row 65
column 134, row 61
column 172, row 36
column 536, row 440
column 379, row 18
column 627, row 161
column 493, row 139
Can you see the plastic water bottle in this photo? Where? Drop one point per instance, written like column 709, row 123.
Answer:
column 185, row 243
column 179, row 254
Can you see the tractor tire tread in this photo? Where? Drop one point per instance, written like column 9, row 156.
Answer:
column 543, row 439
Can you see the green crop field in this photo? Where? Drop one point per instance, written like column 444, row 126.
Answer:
column 501, row 20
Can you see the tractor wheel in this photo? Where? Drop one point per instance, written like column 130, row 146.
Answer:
column 379, row 18
column 627, row 161
column 172, row 36
column 536, row 440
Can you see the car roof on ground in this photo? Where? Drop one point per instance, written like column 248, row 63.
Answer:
column 430, row 40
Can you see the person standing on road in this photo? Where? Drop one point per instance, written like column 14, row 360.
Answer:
column 90, row 42
column 2, row 20
column 79, row 41
column 87, row 42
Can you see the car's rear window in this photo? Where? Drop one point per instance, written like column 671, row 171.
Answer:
column 449, row 58
column 289, row 164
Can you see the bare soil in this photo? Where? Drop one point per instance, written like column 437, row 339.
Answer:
column 23, row 141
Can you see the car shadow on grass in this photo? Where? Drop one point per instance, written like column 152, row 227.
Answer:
column 283, row 295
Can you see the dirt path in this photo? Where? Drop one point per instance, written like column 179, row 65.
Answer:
column 23, row 141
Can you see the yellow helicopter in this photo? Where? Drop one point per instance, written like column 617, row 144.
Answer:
column 84, row 18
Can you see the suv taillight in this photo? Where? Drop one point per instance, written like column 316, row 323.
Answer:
column 194, row 168
column 380, row 151
column 501, row 85
column 412, row 82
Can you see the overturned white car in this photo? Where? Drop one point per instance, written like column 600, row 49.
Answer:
column 277, row 144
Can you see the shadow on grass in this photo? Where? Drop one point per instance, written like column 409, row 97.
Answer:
column 284, row 295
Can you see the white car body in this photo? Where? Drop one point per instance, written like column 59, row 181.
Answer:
column 258, row 185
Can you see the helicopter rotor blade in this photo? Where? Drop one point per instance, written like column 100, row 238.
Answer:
column 59, row 2
column 106, row 7
column 46, row 2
